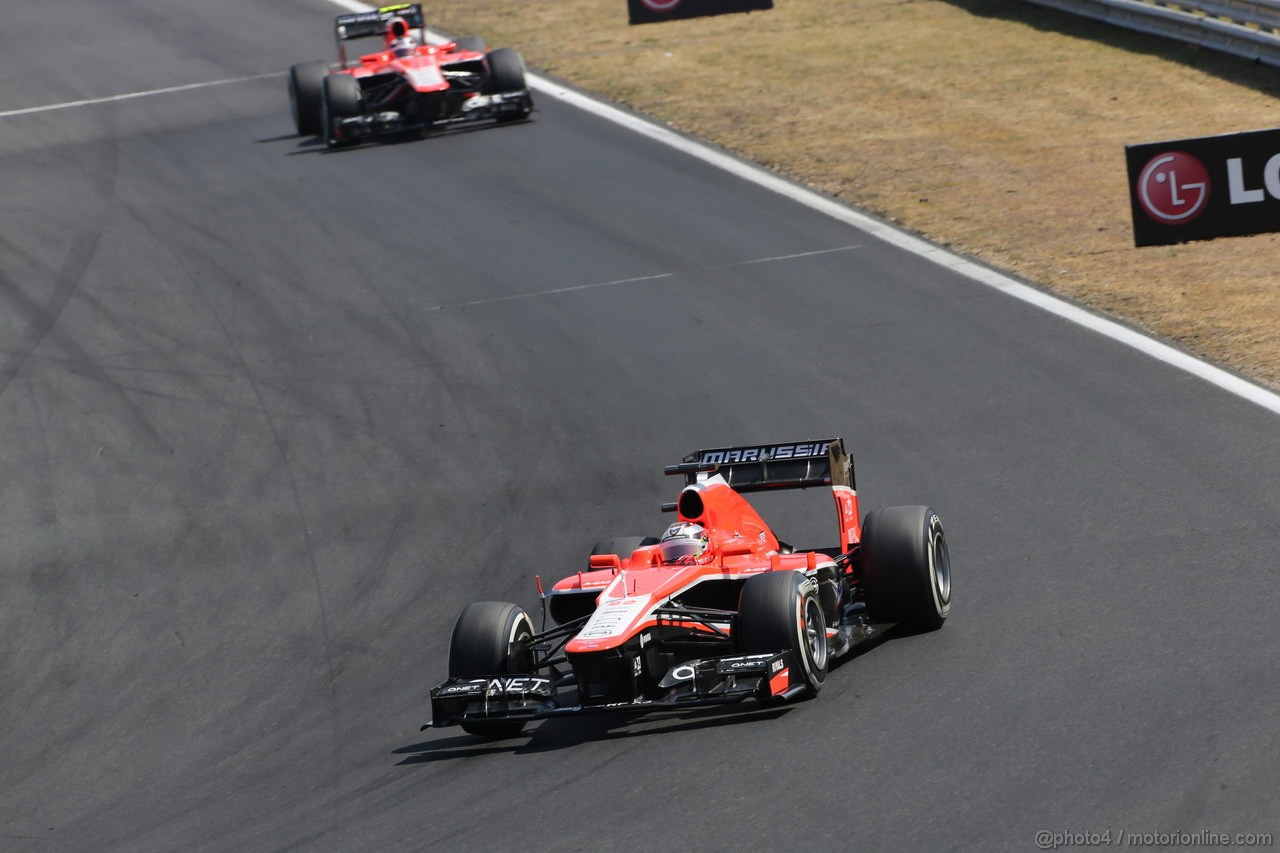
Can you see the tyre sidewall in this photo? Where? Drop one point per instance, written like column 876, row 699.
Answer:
column 906, row 566
column 486, row 641
column 808, row 609
column 938, row 557
column 772, row 617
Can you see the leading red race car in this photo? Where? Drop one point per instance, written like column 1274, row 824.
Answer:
column 717, row 610
column 408, row 85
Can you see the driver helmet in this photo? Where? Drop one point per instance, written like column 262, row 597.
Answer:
column 399, row 40
column 684, row 540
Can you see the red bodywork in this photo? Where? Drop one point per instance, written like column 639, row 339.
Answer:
column 421, row 71
column 631, row 586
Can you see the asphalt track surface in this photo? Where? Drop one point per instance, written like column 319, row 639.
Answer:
column 270, row 416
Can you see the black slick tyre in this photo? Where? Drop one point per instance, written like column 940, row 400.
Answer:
column 906, row 567
column 506, row 74
column 491, row 638
column 342, row 99
column 780, row 611
column 306, row 81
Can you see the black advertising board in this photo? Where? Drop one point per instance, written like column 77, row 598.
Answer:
column 1198, row 189
column 653, row 11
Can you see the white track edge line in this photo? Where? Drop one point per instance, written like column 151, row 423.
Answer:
column 760, row 176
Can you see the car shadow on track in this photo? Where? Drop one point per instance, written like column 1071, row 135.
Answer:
column 567, row 732
column 285, row 137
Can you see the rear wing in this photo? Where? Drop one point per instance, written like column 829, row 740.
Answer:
column 763, row 467
column 366, row 24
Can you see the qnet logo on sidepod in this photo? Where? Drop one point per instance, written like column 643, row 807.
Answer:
column 1173, row 188
column 661, row 5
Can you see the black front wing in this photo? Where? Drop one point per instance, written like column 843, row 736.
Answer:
column 478, row 108
column 708, row 681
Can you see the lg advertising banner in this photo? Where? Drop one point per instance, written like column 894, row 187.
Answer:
column 653, row 11
column 1198, row 189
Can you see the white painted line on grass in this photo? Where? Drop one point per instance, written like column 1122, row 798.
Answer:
column 762, row 177
column 130, row 95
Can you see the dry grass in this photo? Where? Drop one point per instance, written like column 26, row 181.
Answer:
column 992, row 126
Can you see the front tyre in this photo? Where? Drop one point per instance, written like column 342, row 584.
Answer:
column 506, row 74
column 491, row 638
column 342, row 99
column 306, row 83
column 780, row 611
column 906, row 567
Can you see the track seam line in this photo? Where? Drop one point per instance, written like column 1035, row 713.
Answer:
column 571, row 289
column 655, row 277
column 66, row 105
column 758, row 175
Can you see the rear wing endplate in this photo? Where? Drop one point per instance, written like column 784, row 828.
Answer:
column 763, row 467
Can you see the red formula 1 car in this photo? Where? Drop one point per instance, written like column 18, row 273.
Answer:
column 407, row 85
column 717, row 610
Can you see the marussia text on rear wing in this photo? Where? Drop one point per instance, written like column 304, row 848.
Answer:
column 365, row 24
column 763, row 467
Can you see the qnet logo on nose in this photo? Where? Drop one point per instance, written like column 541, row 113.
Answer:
column 1173, row 188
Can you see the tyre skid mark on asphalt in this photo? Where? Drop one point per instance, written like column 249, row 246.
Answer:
column 43, row 325
column 272, row 420
column 656, row 277
column 434, row 365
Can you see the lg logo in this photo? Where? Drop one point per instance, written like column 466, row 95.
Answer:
column 1173, row 188
column 661, row 5
column 1198, row 189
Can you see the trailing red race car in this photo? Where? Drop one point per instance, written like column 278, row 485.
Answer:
column 407, row 85
column 717, row 610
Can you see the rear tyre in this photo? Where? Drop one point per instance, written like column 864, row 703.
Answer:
column 622, row 545
column 306, row 82
column 506, row 74
column 342, row 99
column 473, row 43
column 491, row 638
column 906, row 568
column 780, row 611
